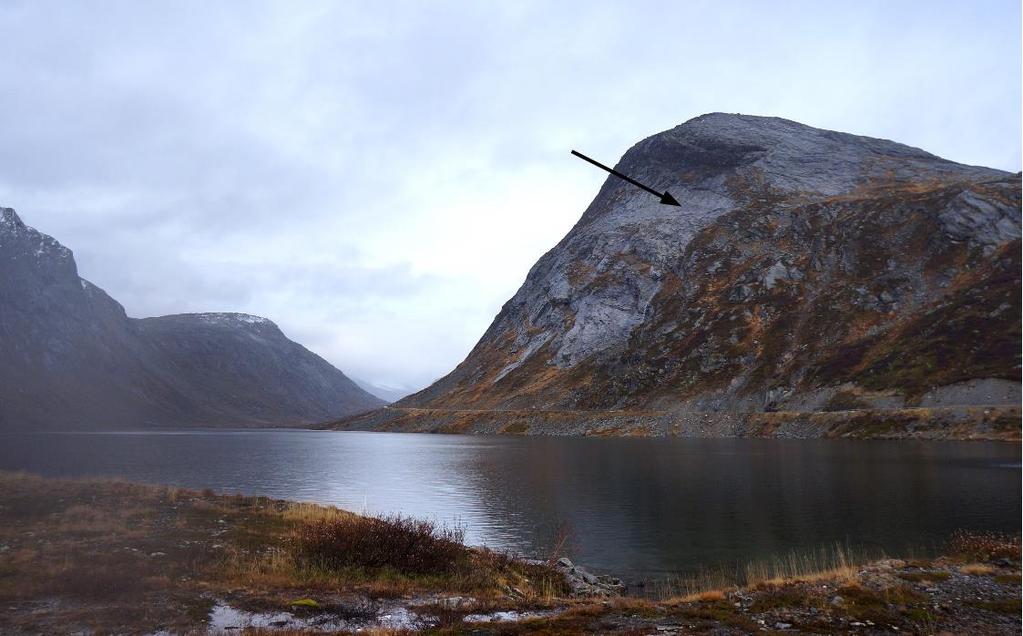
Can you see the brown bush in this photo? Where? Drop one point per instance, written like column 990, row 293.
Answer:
column 983, row 546
column 404, row 544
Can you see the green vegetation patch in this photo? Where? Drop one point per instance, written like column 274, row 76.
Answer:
column 890, row 605
column 999, row 606
column 929, row 575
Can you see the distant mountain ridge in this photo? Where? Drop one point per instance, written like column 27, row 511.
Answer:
column 70, row 358
column 386, row 393
column 805, row 270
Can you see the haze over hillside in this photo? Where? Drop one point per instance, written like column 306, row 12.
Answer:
column 74, row 360
column 386, row 393
column 805, row 270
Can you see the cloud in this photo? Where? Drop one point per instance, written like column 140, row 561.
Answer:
column 378, row 178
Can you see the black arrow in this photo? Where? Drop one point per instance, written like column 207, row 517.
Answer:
column 666, row 198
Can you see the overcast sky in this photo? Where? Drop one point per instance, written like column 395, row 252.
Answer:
column 378, row 177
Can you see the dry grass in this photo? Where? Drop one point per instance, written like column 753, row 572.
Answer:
column 710, row 595
column 312, row 513
column 150, row 553
column 834, row 562
column 126, row 558
column 978, row 569
column 831, row 562
column 386, row 560
column 686, row 589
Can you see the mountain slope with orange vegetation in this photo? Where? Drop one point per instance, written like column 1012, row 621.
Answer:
column 806, row 270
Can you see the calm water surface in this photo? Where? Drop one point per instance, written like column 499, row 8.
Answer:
column 636, row 507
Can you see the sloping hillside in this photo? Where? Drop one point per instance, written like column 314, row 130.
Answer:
column 805, row 270
column 72, row 359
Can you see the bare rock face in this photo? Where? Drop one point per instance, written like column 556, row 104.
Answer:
column 802, row 264
column 70, row 358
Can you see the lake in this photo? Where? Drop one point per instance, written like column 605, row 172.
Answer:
column 638, row 508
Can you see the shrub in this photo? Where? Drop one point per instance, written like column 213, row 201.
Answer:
column 404, row 544
column 983, row 546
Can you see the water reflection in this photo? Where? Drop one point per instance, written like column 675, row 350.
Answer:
column 635, row 507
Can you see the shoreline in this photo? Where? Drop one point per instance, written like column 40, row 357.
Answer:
column 992, row 423
column 112, row 556
column 959, row 423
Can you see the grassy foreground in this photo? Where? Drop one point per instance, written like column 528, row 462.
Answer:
column 112, row 556
column 102, row 556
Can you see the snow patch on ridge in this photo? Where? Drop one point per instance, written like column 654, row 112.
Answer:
column 228, row 318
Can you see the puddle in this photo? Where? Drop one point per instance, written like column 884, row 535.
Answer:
column 224, row 619
column 508, row 616
column 400, row 618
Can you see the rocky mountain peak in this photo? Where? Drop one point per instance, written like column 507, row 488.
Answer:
column 718, row 160
column 20, row 241
column 9, row 220
column 712, row 164
column 789, row 242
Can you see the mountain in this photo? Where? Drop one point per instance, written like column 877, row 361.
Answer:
column 386, row 393
column 72, row 359
column 805, row 270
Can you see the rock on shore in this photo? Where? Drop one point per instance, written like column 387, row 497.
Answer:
column 584, row 583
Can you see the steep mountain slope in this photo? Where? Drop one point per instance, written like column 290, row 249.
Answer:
column 71, row 358
column 805, row 270
column 240, row 367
